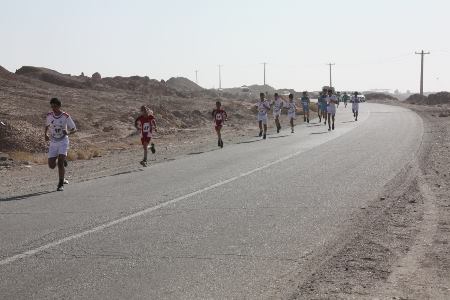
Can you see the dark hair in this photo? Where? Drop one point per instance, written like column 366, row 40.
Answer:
column 291, row 96
column 55, row 101
column 330, row 90
column 276, row 94
column 262, row 94
column 218, row 103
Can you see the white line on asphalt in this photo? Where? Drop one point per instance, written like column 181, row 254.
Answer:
column 34, row 251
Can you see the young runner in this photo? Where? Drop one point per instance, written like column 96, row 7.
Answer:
column 278, row 104
column 319, row 107
column 263, row 107
column 345, row 98
column 355, row 105
column 305, row 104
column 145, row 124
column 331, row 109
column 60, row 125
column 324, row 105
column 291, row 111
column 219, row 117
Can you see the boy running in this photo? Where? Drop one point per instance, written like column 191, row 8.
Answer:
column 345, row 98
column 305, row 104
column 291, row 111
column 324, row 105
column 355, row 105
column 278, row 104
column 331, row 108
column 219, row 117
column 263, row 107
column 60, row 125
column 145, row 124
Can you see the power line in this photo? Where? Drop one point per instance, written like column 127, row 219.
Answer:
column 422, row 54
column 264, row 63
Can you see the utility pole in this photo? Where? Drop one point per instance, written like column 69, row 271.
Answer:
column 220, row 78
column 264, row 63
column 331, row 64
column 422, row 54
column 196, row 78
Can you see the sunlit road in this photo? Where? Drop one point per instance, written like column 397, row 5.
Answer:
column 230, row 223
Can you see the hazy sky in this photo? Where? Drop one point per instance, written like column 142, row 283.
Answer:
column 371, row 42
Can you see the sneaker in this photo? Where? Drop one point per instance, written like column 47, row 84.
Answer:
column 260, row 134
column 304, row 119
column 278, row 130
column 143, row 163
column 152, row 148
column 264, row 136
column 332, row 126
column 221, row 144
column 292, row 130
column 307, row 120
column 329, row 129
column 356, row 119
column 65, row 181
column 60, row 187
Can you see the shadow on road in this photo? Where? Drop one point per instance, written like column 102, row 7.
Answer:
column 348, row 121
column 323, row 132
column 23, row 197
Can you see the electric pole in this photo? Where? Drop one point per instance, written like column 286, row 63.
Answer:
column 422, row 54
column 220, row 78
column 196, row 78
column 264, row 63
column 331, row 64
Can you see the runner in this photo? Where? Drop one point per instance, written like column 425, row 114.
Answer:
column 219, row 117
column 338, row 97
column 305, row 104
column 278, row 104
column 263, row 107
column 345, row 98
column 331, row 108
column 324, row 105
column 60, row 125
column 355, row 105
column 145, row 124
column 292, row 108
column 319, row 107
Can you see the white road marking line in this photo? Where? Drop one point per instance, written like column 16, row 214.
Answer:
column 34, row 251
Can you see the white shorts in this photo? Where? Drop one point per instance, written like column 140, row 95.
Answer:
column 291, row 115
column 262, row 118
column 276, row 113
column 58, row 148
column 331, row 109
column 355, row 106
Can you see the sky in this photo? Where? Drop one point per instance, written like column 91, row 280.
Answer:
column 372, row 43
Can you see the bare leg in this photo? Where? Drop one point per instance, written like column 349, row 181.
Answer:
column 61, row 170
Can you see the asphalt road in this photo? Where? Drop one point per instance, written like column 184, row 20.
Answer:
column 229, row 223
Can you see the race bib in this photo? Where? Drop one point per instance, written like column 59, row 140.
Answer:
column 146, row 127
column 58, row 132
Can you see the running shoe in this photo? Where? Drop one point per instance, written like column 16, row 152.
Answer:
column 292, row 130
column 143, row 163
column 218, row 142
column 260, row 134
column 307, row 120
column 60, row 187
column 221, row 144
column 332, row 126
column 264, row 136
column 329, row 129
column 152, row 148
column 304, row 119
column 65, row 181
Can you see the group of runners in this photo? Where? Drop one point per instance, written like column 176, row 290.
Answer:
column 59, row 124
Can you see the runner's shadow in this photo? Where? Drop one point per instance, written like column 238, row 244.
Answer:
column 248, row 142
column 323, row 132
column 348, row 122
column 23, row 197
column 279, row 136
column 318, row 124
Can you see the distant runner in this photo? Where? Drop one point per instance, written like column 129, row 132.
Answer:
column 324, row 105
column 219, row 117
column 355, row 105
column 292, row 108
column 331, row 109
column 60, row 125
column 305, row 105
column 145, row 124
column 345, row 98
column 263, row 107
column 278, row 104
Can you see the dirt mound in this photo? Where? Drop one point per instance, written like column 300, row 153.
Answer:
column 21, row 135
column 5, row 73
column 417, row 99
column 54, row 77
column 379, row 96
column 439, row 98
column 183, row 84
column 139, row 84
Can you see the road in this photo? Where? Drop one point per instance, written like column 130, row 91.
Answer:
column 231, row 223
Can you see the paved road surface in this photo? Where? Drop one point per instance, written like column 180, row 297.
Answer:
column 228, row 223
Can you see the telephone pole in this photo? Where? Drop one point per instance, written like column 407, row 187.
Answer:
column 264, row 63
column 331, row 64
column 196, row 78
column 422, row 54
column 220, row 78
